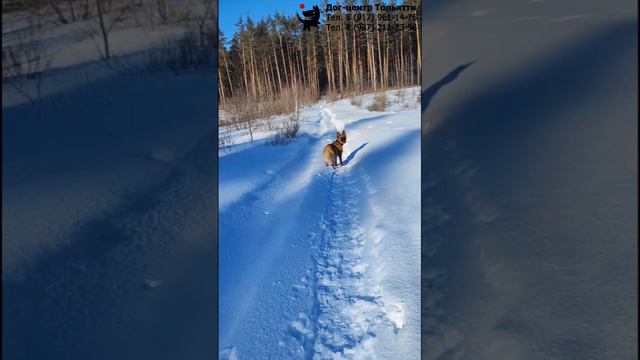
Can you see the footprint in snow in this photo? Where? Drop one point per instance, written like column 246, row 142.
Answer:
column 301, row 328
column 163, row 155
column 151, row 284
column 229, row 353
column 395, row 314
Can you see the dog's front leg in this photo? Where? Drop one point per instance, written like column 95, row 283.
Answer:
column 340, row 156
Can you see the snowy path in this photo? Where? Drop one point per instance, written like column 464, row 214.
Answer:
column 312, row 276
column 349, row 310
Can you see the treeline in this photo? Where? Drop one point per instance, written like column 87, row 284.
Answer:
column 274, row 61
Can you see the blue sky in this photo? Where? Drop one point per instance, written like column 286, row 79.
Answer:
column 231, row 10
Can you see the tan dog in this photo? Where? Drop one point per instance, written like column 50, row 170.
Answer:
column 334, row 150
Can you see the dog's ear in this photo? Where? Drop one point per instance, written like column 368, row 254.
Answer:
column 337, row 134
column 344, row 132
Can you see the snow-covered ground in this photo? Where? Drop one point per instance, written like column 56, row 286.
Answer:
column 529, row 172
column 324, row 263
column 529, row 217
column 74, row 51
column 108, row 186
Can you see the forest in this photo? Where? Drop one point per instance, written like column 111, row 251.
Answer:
column 271, row 66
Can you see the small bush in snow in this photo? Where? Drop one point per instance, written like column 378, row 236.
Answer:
column 225, row 141
column 403, row 98
column 288, row 131
column 356, row 101
column 380, row 102
column 192, row 52
column 25, row 64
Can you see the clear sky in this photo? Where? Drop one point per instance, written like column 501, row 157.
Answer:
column 231, row 10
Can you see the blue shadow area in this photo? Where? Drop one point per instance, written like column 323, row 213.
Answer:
column 353, row 153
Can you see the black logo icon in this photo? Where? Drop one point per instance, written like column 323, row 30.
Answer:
column 311, row 18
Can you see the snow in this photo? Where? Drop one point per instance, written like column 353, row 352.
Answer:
column 89, row 167
column 108, row 186
column 98, row 200
column 352, row 233
column 529, row 223
column 529, row 174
